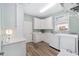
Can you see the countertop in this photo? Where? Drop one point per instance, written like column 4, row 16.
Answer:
column 66, row 34
column 9, row 42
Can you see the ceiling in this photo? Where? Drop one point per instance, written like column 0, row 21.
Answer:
column 33, row 9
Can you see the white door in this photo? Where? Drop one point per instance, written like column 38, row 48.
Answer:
column 68, row 43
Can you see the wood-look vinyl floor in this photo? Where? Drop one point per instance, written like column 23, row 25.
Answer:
column 40, row 49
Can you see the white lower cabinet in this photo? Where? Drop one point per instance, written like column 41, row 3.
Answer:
column 68, row 42
column 37, row 37
column 15, row 49
column 54, row 41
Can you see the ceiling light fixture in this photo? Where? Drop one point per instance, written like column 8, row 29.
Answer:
column 49, row 5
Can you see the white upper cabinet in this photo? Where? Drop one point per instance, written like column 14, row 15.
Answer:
column 43, row 24
column 46, row 23
column 12, row 16
column 36, row 23
column 8, row 15
column 49, row 22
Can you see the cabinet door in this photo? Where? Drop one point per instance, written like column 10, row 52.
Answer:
column 8, row 15
column 16, row 49
column 37, row 36
column 39, row 23
column 36, row 23
column 44, row 37
column 54, row 41
column 46, row 23
column 49, row 23
column 68, row 43
column 43, row 24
